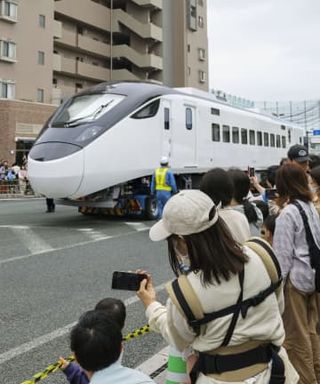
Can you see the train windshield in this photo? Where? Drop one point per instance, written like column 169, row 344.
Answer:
column 85, row 108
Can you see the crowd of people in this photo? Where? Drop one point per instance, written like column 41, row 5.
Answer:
column 244, row 306
column 14, row 178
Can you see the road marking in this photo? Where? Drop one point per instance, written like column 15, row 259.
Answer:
column 90, row 232
column 31, row 240
column 137, row 226
column 37, row 342
column 17, row 258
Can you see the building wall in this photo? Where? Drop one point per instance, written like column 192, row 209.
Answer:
column 30, row 38
column 20, row 120
column 182, row 63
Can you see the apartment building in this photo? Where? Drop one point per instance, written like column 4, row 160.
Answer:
column 52, row 49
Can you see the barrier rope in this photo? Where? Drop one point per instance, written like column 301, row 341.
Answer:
column 54, row 367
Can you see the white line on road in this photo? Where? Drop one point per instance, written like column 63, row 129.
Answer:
column 31, row 240
column 37, row 342
column 137, row 226
column 16, row 258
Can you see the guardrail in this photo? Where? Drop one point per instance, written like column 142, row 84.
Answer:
column 15, row 187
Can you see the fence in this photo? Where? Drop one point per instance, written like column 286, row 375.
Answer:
column 15, row 188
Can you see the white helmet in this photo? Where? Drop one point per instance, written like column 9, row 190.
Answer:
column 164, row 160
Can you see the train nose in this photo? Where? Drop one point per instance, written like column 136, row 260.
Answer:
column 56, row 169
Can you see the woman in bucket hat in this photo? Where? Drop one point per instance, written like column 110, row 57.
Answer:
column 226, row 308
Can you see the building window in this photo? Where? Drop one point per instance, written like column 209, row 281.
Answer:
column 252, row 137
column 200, row 22
column 278, row 141
column 40, row 95
column 215, row 132
column 226, row 133
column 202, row 77
column 272, row 140
column 266, row 139
column 8, row 50
column 192, row 15
column 42, row 21
column 202, row 54
column 7, row 89
column 244, row 136
column 259, row 138
column 40, row 58
column 189, row 118
column 9, row 10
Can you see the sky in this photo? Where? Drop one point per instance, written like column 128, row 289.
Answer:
column 265, row 49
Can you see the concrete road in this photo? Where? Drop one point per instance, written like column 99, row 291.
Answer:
column 55, row 266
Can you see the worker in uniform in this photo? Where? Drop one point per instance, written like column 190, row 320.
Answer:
column 163, row 184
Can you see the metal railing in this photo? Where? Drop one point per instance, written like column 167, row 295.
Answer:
column 15, row 188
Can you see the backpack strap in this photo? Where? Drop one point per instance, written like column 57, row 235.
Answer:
column 184, row 297
column 263, row 249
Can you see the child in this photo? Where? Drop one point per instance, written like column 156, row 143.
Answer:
column 268, row 227
column 116, row 311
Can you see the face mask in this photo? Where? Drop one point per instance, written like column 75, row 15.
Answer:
column 314, row 189
column 184, row 261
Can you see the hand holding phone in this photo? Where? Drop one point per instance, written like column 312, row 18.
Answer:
column 127, row 280
column 271, row 193
column 251, row 171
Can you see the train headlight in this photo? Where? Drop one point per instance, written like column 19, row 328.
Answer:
column 89, row 133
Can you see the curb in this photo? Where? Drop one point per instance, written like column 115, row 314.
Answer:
column 155, row 367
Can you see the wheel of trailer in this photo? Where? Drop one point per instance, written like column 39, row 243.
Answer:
column 151, row 210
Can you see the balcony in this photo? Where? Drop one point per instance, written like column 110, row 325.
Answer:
column 56, row 62
column 93, row 46
column 139, row 59
column 149, row 3
column 57, row 29
column 93, row 72
column 68, row 65
column 144, row 30
column 68, row 38
column 56, row 96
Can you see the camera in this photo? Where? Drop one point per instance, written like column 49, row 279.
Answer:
column 251, row 172
column 271, row 193
column 127, row 280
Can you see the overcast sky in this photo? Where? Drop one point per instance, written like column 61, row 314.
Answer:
column 265, row 49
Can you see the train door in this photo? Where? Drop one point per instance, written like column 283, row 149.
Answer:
column 166, row 129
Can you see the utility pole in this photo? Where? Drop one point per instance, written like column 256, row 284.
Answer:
column 111, row 39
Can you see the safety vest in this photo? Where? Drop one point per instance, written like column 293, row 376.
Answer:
column 160, row 176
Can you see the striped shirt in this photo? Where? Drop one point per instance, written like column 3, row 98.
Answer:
column 290, row 245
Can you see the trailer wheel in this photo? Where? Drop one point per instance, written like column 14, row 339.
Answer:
column 151, row 210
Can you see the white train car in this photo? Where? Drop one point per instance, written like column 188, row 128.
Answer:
column 101, row 146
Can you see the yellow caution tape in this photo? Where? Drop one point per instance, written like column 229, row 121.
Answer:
column 54, row 367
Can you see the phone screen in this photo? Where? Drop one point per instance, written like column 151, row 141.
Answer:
column 127, row 281
column 271, row 194
column 251, row 172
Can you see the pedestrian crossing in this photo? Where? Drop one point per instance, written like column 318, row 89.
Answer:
column 27, row 241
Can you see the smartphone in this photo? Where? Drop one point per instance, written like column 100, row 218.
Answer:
column 251, row 171
column 127, row 280
column 271, row 194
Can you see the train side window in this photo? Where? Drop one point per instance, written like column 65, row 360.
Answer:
column 215, row 111
column 235, row 135
column 266, row 139
column 289, row 136
column 244, row 136
column 278, row 141
column 148, row 111
column 259, row 138
column 226, row 133
column 167, row 118
column 215, row 132
column 272, row 140
column 300, row 140
column 189, row 118
column 252, row 137
column 283, row 141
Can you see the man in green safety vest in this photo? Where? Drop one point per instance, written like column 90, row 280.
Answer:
column 163, row 184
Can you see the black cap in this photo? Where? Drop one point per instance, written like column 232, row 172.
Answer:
column 298, row 153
